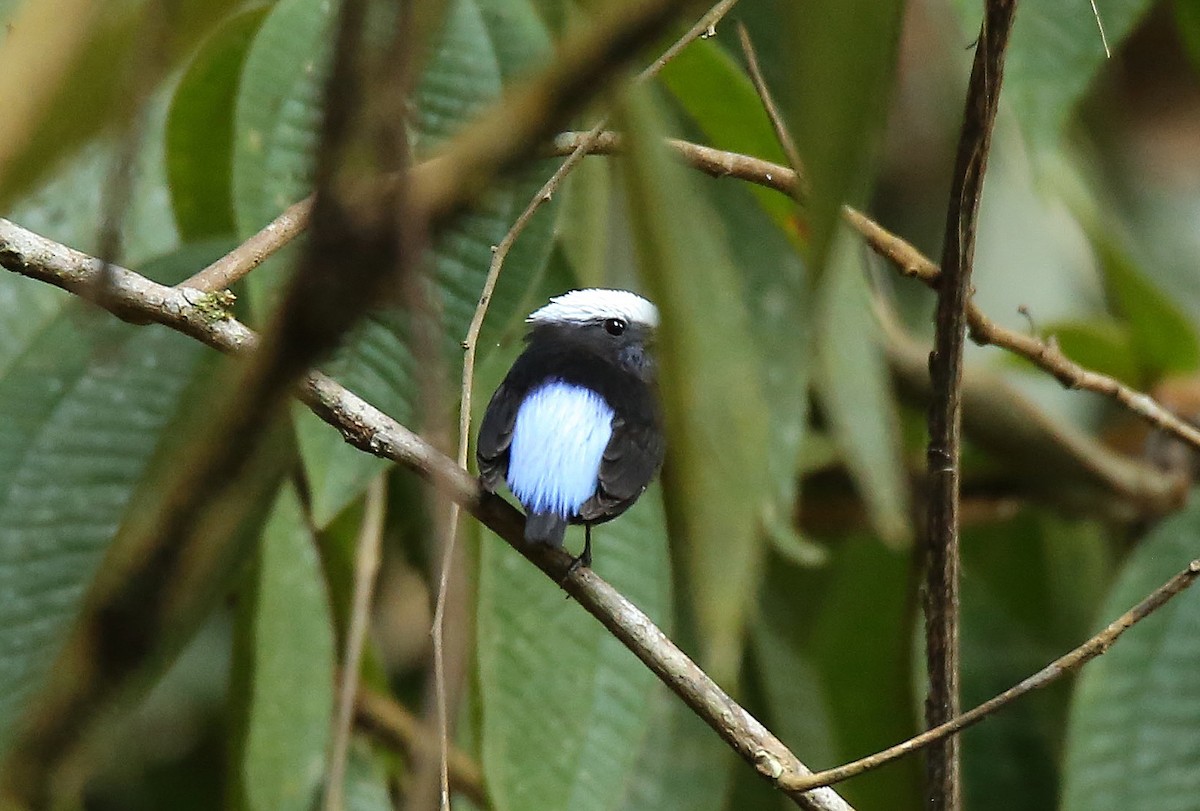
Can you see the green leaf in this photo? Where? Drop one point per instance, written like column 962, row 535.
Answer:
column 781, row 315
column 712, row 388
column 1100, row 345
column 1034, row 583
column 285, row 660
column 854, row 388
column 1187, row 20
column 1162, row 338
column 718, row 95
column 852, row 623
column 200, row 130
column 838, row 101
column 64, row 208
column 1053, row 57
column 683, row 766
column 484, row 44
column 366, row 782
column 565, row 706
column 83, row 406
column 94, row 91
column 1134, row 730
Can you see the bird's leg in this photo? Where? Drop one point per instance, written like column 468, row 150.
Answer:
column 585, row 559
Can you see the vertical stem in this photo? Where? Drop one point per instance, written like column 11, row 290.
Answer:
column 943, row 779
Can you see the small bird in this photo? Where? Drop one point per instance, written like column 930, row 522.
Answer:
column 574, row 430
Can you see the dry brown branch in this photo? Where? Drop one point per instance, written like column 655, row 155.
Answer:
column 1068, row 663
column 370, row 430
column 786, row 142
column 393, row 722
column 254, row 251
column 943, row 778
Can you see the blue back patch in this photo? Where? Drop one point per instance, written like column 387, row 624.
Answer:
column 558, row 442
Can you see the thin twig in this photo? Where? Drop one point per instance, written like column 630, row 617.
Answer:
column 365, row 427
column 366, row 567
column 782, row 134
column 394, row 722
column 470, row 350
column 254, row 251
column 1068, row 663
column 943, row 785
column 1100, row 25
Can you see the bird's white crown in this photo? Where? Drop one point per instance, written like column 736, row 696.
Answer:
column 595, row 304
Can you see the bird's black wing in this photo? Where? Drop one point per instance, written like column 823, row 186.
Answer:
column 495, row 436
column 632, row 457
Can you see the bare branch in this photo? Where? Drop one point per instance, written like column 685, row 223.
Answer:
column 391, row 720
column 257, row 249
column 370, row 430
column 943, row 785
column 786, row 142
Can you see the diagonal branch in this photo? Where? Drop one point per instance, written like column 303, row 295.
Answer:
column 1067, row 663
column 370, row 430
column 943, row 784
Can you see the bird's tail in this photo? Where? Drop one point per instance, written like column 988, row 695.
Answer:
column 547, row 528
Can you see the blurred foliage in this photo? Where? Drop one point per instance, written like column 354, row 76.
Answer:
column 777, row 548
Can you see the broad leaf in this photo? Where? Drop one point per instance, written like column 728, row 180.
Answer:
column 839, row 101
column 1134, row 731
column 483, row 44
column 200, row 130
column 83, row 406
column 285, row 663
column 854, row 387
column 718, row 95
column 712, row 388
column 1053, row 57
column 565, row 707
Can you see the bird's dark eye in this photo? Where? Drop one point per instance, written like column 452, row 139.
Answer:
column 614, row 326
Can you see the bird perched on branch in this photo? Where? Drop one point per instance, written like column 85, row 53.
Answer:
column 574, row 430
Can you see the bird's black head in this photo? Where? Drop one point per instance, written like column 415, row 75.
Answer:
column 614, row 326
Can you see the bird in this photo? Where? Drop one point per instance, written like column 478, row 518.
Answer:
column 575, row 429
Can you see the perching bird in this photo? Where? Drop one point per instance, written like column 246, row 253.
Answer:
column 574, row 429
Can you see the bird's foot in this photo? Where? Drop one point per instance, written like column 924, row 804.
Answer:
column 584, row 561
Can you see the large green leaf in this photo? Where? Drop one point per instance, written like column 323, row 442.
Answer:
column 838, row 100
column 285, row 663
column 1053, row 56
column 1133, row 738
column 199, row 133
column 683, row 765
column 712, row 386
column 64, row 208
column 83, row 407
column 565, row 707
column 1162, row 338
column 483, row 44
column 718, row 95
column 1031, row 586
column 854, row 386
column 94, row 90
